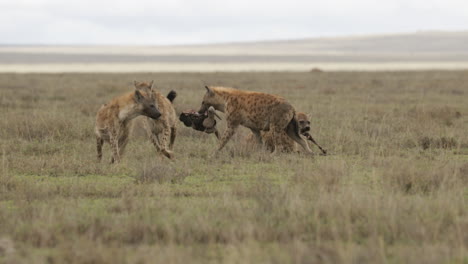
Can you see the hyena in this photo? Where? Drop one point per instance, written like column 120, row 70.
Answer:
column 113, row 120
column 161, row 131
column 287, row 144
column 256, row 111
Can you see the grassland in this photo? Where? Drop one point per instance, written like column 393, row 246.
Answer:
column 393, row 190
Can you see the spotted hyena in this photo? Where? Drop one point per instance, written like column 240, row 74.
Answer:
column 161, row 131
column 287, row 144
column 256, row 111
column 113, row 120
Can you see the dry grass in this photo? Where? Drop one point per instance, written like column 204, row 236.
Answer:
column 394, row 190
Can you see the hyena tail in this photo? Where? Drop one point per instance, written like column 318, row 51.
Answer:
column 293, row 132
column 171, row 95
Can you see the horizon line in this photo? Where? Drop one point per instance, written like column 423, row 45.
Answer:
column 246, row 42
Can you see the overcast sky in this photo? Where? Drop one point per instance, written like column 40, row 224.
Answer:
column 151, row 22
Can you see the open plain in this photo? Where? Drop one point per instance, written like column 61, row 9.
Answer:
column 425, row 50
column 394, row 188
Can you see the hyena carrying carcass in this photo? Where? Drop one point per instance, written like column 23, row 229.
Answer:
column 113, row 120
column 257, row 111
column 287, row 144
column 161, row 131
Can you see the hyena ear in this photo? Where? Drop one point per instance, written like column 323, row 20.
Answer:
column 135, row 83
column 151, row 84
column 138, row 96
column 209, row 90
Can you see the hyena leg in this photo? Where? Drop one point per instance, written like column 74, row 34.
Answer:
column 118, row 142
column 122, row 144
column 275, row 134
column 293, row 133
column 114, row 142
column 258, row 136
column 155, row 140
column 166, row 134
column 153, row 136
column 173, row 136
column 226, row 136
column 156, row 143
column 99, row 143
column 301, row 141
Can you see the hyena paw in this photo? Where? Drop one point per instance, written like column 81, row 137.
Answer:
column 169, row 154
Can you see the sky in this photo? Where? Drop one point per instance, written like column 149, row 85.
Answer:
column 155, row 22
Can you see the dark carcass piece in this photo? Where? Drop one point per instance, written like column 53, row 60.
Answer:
column 192, row 118
column 204, row 122
column 210, row 122
column 309, row 137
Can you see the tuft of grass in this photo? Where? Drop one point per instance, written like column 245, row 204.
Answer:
column 161, row 173
column 442, row 142
column 412, row 179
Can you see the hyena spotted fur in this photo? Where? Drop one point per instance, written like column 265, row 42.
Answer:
column 161, row 131
column 113, row 120
column 287, row 144
column 256, row 111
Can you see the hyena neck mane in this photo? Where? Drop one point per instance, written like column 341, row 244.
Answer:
column 221, row 97
column 225, row 92
column 127, row 112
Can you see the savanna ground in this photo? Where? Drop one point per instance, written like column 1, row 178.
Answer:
column 393, row 190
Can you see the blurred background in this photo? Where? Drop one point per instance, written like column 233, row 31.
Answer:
column 241, row 35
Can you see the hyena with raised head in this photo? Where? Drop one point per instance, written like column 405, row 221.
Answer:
column 256, row 111
column 113, row 120
column 161, row 131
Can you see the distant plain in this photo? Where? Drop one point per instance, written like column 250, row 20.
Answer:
column 416, row 51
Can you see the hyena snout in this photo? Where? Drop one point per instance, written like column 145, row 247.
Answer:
column 152, row 112
column 203, row 109
column 305, row 129
column 304, row 124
